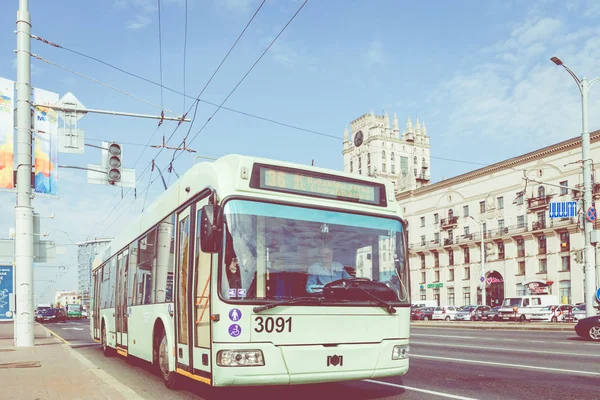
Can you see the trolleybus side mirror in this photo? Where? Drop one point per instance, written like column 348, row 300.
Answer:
column 211, row 228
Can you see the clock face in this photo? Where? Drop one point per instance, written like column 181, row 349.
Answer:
column 358, row 138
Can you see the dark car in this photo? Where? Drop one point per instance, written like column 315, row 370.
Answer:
column 53, row 315
column 491, row 314
column 423, row 314
column 589, row 327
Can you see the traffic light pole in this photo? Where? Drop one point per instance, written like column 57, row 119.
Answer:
column 23, row 326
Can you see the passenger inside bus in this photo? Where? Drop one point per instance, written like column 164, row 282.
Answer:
column 325, row 271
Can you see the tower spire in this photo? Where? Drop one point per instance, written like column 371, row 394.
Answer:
column 396, row 128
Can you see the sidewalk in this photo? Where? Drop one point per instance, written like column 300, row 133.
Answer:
column 499, row 325
column 51, row 370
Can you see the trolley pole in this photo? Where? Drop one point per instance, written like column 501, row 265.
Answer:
column 24, row 335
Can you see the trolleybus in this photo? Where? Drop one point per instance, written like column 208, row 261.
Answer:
column 250, row 271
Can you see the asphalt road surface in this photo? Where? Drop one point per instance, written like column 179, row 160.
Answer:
column 445, row 363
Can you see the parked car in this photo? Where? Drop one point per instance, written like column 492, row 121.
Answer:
column 491, row 314
column 589, row 327
column 54, row 315
column 446, row 313
column 471, row 313
column 553, row 313
column 423, row 314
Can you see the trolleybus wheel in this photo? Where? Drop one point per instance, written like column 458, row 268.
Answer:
column 108, row 351
column 162, row 360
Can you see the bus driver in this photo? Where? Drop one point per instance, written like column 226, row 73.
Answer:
column 324, row 271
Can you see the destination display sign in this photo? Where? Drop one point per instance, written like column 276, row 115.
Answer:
column 289, row 180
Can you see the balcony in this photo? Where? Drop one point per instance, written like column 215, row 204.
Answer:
column 537, row 203
column 448, row 242
column 520, row 252
column 537, row 225
column 446, row 223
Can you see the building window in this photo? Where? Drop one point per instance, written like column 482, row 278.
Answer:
column 450, row 296
column 415, row 160
column 369, row 170
column 450, row 257
column 450, row 215
column 565, row 244
column 393, row 168
column 565, row 263
column 564, row 292
column 437, row 276
column 423, row 295
column 451, row 274
column 564, row 189
column 467, row 273
column 520, row 196
column 482, row 206
column 520, row 247
column 466, row 228
column 360, row 171
column 466, row 296
column 359, row 162
column 422, row 240
column 501, row 227
column 436, row 237
column 436, row 218
column 501, row 250
column 351, row 168
column 500, row 202
column 520, row 290
column 422, row 222
column 383, row 168
column 436, row 260
column 521, row 268
column 520, row 221
column 542, row 244
column 423, row 277
column 541, row 192
column 543, row 266
column 467, row 255
column 392, row 154
column 436, row 296
column 465, row 211
column 422, row 256
column 383, row 154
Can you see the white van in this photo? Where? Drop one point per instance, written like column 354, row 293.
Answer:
column 525, row 306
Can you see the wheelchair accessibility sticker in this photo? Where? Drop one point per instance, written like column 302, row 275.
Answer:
column 235, row 330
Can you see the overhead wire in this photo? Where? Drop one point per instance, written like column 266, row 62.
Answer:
column 243, row 78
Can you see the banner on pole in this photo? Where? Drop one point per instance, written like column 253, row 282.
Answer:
column 7, row 106
column 46, row 142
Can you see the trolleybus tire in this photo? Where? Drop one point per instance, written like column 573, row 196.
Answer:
column 161, row 358
column 106, row 349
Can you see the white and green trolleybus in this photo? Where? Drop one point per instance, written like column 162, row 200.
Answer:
column 250, row 271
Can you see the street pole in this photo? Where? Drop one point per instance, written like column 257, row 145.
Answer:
column 482, row 266
column 589, row 267
column 24, row 336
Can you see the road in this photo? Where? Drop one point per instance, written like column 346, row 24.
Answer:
column 445, row 363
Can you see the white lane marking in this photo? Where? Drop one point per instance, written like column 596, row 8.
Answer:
column 518, row 366
column 502, row 349
column 581, row 342
column 441, row 394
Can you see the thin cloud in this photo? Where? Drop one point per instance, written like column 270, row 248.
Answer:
column 139, row 22
column 375, row 54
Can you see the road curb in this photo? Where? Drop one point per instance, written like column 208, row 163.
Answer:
column 105, row 377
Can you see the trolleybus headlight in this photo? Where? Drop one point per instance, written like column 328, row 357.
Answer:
column 240, row 358
column 400, row 352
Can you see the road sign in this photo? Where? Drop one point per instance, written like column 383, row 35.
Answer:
column 482, row 279
column 563, row 209
column 70, row 102
column 591, row 214
column 598, row 295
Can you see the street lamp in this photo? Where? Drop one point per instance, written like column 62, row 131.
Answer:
column 590, row 278
column 482, row 261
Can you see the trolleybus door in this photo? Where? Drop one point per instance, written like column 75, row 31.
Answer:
column 200, row 306
column 121, row 306
column 183, row 270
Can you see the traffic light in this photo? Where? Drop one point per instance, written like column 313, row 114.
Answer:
column 115, row 164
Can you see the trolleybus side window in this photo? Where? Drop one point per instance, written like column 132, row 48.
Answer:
column 184, row 234
column 132, row 275
column 146, row 269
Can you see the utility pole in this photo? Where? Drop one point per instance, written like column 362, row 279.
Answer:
column 24, row 335
column 588, row 250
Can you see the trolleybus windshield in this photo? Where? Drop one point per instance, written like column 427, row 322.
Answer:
column 278, row 252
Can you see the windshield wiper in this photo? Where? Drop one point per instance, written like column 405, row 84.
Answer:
column 388, row 307
column 285, row 302
column 347, row 285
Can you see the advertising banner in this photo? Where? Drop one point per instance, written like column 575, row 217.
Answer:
column 7, row 106
column 6, row 289
column 46, row 142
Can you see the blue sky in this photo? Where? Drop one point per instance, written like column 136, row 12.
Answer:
column 478, row 73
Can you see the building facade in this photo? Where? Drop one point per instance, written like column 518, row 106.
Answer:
column 86, row 253
column 507, row 204
column 66, row 297
column 372, row 148
column 525, row 251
